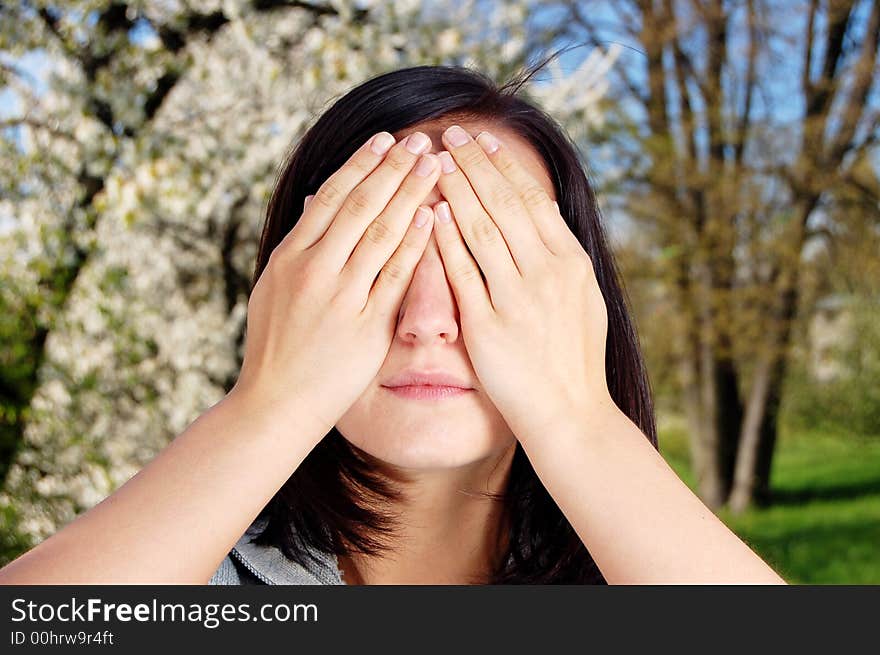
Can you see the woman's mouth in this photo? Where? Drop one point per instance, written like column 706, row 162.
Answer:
column 426, row 391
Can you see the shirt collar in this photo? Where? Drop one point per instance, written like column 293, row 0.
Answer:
column 271, row 566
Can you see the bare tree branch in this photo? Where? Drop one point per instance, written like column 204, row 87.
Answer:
column 864, row 73
column 742, row 129
column 806, row 80
column 819, row 101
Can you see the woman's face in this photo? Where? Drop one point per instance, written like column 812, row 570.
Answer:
column 453, row 431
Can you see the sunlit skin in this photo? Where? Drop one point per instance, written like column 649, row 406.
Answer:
column 424, row 436
column 501, row 295
column 533, row 336
column 444, row 446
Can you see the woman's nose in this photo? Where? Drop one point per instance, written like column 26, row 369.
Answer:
column 429, row 313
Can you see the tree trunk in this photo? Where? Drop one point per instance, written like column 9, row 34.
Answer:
column 744, row 481
column 702, row 436
column 729, row 420
column 770, row 423
column 710, row 385
column 697, row 386
column 714, row 416
column 755, row 456
column 757, row 444
column 761, row 494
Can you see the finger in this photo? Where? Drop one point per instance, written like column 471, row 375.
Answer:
column 477, row 228
column 462, row 271
column 383, row 235
column 317, row 216
column 367, row 201
column 542, row 209
column 393, row 280
column 499, row 197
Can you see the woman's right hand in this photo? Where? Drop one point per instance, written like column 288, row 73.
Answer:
column 324, row 311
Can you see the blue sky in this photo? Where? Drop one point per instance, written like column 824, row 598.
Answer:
column 781, row 103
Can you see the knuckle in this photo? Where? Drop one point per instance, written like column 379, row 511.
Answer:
column 533, row 196
column 378, row 232
column 399, row 161
column 484, row 231
column 286, row 271
column 505, row 165
column 465, row 273
column 504, row 196
column 281, row 255
column 363, row 165
column 329, row 193
column 471, row 157
column 358, row 201
column 392, row 271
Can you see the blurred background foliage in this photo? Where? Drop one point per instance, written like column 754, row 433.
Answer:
column 733, row 144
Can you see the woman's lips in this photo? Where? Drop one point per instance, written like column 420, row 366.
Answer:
column 427, row 392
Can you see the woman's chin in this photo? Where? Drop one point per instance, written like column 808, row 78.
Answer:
column 426, row 447
column 425, row 434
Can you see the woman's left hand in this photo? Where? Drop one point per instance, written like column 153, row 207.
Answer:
column 535, row 329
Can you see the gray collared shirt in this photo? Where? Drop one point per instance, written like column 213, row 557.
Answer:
column 249, row 563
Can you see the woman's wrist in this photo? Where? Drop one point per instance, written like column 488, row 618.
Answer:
column 594, row 416
column 273, row 409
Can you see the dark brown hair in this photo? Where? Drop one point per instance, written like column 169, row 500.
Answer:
column 339, row 498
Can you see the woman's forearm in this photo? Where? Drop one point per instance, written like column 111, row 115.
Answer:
column 177, row 518
column 640, row 522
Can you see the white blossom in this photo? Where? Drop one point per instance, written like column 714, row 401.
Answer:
column 147, row 333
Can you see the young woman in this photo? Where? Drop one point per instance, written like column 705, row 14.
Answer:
column 441, row 381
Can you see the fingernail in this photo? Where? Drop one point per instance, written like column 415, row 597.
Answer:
column 456, row 136
column 425, row 166
column 422, row 216
column 382, row 143
column 416, row 142
column 488, row 142
column 443, row 212
column 307, row 200
column 447, row 163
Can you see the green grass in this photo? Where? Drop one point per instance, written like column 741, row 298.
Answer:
column 824, row 524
